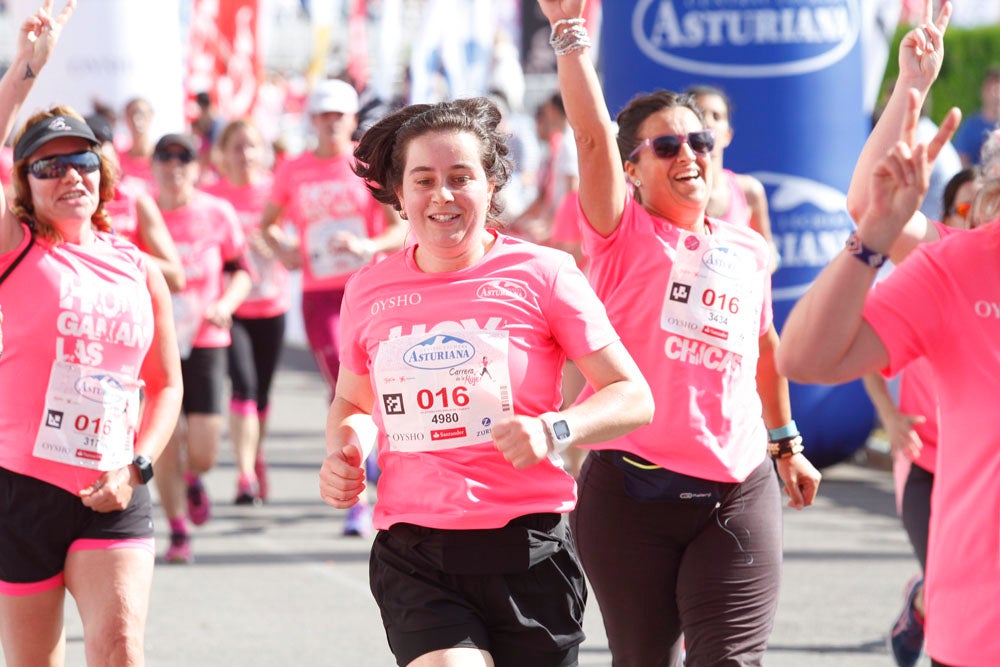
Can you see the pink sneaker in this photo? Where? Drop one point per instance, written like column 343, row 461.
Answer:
column 199, row 504
column 260, row 469
column 247, row 492
column 180, row 549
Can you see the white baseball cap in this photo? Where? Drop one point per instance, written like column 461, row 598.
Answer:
column 333, row 95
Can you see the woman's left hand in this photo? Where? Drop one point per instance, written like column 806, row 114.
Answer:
column 521, row 440
column 801, row 480
column 111, row 492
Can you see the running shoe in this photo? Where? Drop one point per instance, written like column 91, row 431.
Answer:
column 359, row 521
column 247, row 493
column 180, row 549
column 260, row 469
column 198, row 502
column 907, row 637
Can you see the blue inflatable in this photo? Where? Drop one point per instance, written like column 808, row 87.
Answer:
column 793, row 70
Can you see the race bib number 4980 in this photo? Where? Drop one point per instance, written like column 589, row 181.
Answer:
column 442, row 390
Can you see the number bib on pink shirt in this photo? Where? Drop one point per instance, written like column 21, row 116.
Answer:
column 443, row 390
column 714, row 295
column 90, row 417
column 326, row 257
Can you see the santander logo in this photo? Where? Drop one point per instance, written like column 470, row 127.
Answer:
column 734, row 38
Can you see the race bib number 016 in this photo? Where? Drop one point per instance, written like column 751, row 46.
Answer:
column 443, row 390
column 715, row 295
column 89, row 419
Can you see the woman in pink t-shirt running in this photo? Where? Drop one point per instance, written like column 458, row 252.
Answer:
column 678, row 524
column 258, row 329
column 87, row 326
column 451, row 356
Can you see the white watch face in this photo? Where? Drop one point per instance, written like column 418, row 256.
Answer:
column 560, row 429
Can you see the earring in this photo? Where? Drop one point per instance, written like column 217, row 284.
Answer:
column 638, row 183
column 402, row 214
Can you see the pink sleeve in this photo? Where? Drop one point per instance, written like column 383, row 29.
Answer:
column 906, row 310
column 577, row 318
column 280, row 187
column 353, row 354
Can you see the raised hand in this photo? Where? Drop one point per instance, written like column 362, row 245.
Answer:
column 39, row 34
column 555, row 10
column 921, row 51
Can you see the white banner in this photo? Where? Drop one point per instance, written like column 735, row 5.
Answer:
column 112, row 51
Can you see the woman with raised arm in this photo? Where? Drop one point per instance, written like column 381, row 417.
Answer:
column 678, row 524
column 941, row 306
column 455, row 347
column 86, row 326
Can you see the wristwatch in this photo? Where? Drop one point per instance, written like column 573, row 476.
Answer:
column 145, row 468
column 557, row 429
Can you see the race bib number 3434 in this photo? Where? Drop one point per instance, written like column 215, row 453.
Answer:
column 443, row 390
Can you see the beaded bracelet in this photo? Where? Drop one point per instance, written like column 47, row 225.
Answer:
column 786, row 447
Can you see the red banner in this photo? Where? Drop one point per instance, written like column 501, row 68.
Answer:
column 224, row 58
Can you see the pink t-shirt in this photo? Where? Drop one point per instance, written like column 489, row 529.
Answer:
column 207, row 234
column 491, row 339
column 322, row 197
column 918, row 396
column 690, row 309
column 739, row 209
column 567, row 220
column 86, row 307
column 943, row 304
column 271, row 294
column 123, row 209
column 139, row 168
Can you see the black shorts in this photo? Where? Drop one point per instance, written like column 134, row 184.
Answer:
column 253, row 357
column 41, row 523
column 517, row 592
column 204, row 376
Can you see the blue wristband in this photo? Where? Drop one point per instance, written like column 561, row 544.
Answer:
column 789, row 430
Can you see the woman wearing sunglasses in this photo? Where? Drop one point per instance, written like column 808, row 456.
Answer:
column 86, row 327
column 693, row 497
column 212, row 246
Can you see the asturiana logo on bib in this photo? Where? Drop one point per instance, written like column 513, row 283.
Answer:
column 505, row 290
column 743, row 39
column 101, row 389
column 728, row 262
column 438, row 352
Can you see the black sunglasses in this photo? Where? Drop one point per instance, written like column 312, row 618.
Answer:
column 183, row 156
column 669, row 145
column 55, row 166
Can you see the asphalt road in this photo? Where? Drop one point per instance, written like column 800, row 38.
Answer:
column 279, row 585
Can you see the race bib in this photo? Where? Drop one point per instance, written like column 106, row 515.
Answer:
column 714, row 295
column 326, row 255
column 90, row 417
column 443, row 390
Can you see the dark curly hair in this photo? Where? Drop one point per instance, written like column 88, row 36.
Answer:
column 23, row 206
column 642, row 107
column 381, row 152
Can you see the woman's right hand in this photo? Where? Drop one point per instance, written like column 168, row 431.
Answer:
column 39, row 34
column 556, row 10
column 921, row 50
column 342, row 477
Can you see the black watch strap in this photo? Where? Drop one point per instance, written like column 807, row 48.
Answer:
column 145, row 468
